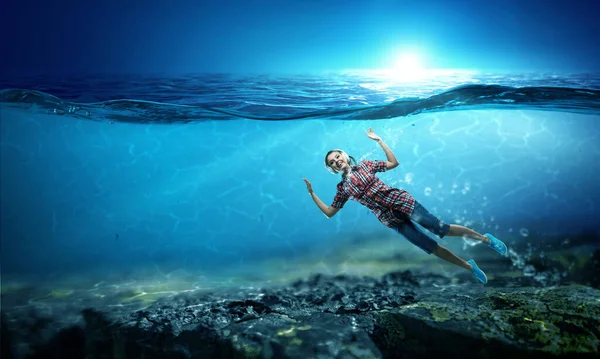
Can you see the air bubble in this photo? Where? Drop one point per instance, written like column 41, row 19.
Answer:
column 428, row 191
column 529, row 271
column 524, row 232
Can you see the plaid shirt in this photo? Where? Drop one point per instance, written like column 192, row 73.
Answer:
column 364, row 187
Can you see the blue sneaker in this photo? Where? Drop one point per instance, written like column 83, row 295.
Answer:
column 478, row 273
column 496, row 244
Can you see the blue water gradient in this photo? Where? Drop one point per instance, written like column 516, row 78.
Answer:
column 79, row 193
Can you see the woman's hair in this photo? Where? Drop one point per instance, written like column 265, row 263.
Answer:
column 349, row 159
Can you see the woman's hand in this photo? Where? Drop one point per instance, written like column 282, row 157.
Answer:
column 308, row 185
column 372, row 135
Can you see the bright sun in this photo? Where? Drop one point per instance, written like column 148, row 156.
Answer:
column 408, row 67
column 409, row 61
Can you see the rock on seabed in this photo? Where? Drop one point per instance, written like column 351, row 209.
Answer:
column 400, row 315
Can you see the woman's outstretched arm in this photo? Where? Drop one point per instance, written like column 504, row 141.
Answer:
column 392, row 162
column 328, row 211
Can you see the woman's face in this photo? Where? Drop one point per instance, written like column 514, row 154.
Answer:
column 336, row 161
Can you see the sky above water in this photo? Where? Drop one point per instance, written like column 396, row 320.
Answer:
column 297, row 36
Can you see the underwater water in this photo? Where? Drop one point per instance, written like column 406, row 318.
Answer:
column 104, row 173
column 123, row 191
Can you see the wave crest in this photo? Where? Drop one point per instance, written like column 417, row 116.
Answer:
column 580, row 100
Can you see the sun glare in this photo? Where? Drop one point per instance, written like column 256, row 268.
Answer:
column 409, row 61
column 408, row 67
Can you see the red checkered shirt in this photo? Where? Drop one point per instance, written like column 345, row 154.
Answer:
column 364, row 187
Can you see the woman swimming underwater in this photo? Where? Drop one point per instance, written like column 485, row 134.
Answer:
column 396, row 208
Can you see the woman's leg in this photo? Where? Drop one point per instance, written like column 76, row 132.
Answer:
column 410, row 231
column 429, row 245
column 445, row 254
column 430, row 222
column 441, row 229
column 460, row 231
